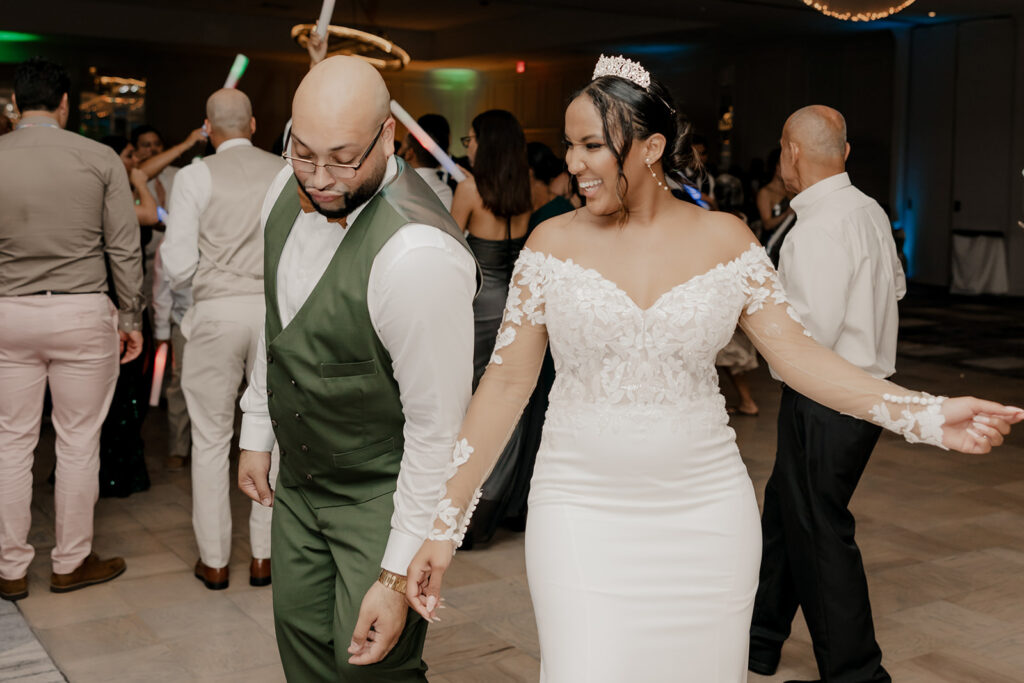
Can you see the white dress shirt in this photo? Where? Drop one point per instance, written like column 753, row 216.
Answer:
column 439, row 186
column 193, row 186
column 169, row 305
column 420, row 299
column 841, row 273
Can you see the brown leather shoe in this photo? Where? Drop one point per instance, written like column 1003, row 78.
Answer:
column 176, row 462
column 93, row 570
column 214, row 579
column 259, row 572
column 16, row 589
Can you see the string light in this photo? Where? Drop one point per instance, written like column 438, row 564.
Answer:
column 841, row 10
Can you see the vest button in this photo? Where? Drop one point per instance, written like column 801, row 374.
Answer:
column 273, row 423
column 309, row 477
column 270, row 358
column 283, row 453
column 270, row 392
column 294, row 383
column 297, row 416
column 305, row 448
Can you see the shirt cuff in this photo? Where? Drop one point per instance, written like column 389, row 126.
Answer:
column 129, row 321
column 401, row 548
column 257, row 434
column 162, row 330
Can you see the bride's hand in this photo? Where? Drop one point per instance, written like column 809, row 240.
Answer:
column 423, row 586
column 976, row 426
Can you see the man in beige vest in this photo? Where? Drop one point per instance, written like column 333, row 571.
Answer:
column 214, row 243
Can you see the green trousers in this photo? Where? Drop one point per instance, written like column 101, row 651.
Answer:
column 323, row 560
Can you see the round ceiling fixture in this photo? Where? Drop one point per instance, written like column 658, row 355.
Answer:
column 859, row 10
column 380, row 52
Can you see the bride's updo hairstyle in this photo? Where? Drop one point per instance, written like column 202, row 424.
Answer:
column 630, row 111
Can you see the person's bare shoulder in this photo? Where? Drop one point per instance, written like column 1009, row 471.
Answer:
column 725, row 235
column 554, row 235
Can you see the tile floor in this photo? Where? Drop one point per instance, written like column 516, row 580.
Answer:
column 942, row 536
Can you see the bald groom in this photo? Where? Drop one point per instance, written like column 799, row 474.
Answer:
column 363, row 377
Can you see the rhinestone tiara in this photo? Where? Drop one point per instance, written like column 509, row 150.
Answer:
column 623, row 68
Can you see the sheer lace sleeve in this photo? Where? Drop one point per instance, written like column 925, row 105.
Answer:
column 500, row 398
column 817, row 372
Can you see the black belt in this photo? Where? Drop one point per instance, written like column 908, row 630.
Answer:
column 48, row 292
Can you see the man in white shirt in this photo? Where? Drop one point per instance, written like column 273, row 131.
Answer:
column 214, row 243
column 841, row 273
column 417, row 156
column 363, row 376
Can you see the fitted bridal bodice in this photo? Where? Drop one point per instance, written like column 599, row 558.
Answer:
column 608, row 351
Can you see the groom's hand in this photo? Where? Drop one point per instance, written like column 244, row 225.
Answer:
column 381, row 620
column 254, row 476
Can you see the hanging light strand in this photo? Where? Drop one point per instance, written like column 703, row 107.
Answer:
column 836, row 11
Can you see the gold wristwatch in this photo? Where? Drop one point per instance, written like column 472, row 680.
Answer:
column 393, row 581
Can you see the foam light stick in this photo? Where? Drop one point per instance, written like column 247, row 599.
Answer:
column 237, row 69
column 159, row 365
column 326, row 12
column 428, row 142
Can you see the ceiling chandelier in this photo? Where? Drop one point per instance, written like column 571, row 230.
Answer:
column 859, row 10
column 380, row 52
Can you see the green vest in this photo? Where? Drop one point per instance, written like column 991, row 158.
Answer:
column 334, row 403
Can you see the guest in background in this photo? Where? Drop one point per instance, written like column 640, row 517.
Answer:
column 494, row 206
column 122, row 449
column 169, row 308
column 549, row 184
column 214, row 244
column 60, row 328
column 700, row 173
column 6, row 125
column 773, row 203
column 428, row 168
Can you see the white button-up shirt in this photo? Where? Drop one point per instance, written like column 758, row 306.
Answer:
column 420, row 299
column 841, row 273
column 193, row 186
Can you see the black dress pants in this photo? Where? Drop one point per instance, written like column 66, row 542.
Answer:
column 809, row 557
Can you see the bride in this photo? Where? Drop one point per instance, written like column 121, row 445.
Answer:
column 643, row 539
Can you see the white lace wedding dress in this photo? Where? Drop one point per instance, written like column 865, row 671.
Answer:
column 643, row 540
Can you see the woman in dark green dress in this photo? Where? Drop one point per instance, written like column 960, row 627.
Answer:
column 549, row 184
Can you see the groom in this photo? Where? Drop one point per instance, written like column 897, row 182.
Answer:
column 363, row 377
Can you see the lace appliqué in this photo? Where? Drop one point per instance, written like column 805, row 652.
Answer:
column 529, row 275
column 923, row 425
column 446, row 525
column 763, row 283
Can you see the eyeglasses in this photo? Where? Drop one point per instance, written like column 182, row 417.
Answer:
column 465, row 140
column 336, row 170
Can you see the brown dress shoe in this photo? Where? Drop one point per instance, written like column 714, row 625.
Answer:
column 16, row 589
column 93, row 570
column 259, row 572
column 214, row 579
column 176, row 462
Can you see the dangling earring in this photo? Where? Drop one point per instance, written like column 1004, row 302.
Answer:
column 655, row 176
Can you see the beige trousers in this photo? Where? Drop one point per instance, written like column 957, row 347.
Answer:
column 69, row 341
column 221, row 336
column 179, row 431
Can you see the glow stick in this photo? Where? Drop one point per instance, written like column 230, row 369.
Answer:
column 159, row 365
column 326, row 12
column 428, row 142
column 161, row 214
column 237, row 69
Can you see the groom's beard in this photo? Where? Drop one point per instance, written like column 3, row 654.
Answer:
column 352, row 199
